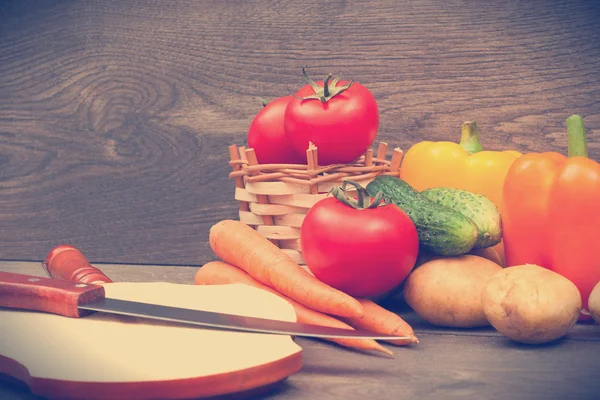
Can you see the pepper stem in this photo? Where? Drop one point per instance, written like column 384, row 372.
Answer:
column 364, row 198
column 576, row 137
column 469, row 139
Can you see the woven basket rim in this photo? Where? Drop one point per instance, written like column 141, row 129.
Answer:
column 246, row 168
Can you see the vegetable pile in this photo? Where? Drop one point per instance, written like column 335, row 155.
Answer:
column 470, row 237
column 250, row 258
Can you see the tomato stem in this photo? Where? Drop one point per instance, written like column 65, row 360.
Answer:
column 308, row 79
column 469, row 139
column 326, row 88
column 577, row 141
column 329, row 89
column 364, row 200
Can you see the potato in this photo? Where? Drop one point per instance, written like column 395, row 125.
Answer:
column 531, row 304
column 594, row 303
column 488, row 252
column 447, row 291
column 499, row 249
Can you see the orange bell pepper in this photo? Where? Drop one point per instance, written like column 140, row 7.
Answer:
column 461, row 165
column 551, row 212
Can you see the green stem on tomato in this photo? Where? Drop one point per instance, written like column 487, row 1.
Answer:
column 308, row 79
column 577, row 141
column 329, row 89
column 326, row 88
column 364, row 198
column 263, row 101
column 469, row 139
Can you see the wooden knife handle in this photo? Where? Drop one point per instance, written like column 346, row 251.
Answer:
column 46, row 294
column 68, row 263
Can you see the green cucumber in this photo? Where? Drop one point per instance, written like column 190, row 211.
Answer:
column 441, row 230
column 479, row 208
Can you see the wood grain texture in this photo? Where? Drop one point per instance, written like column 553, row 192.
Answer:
column 47, row 295
column 449, row 364
column 115, row 116
column 117, row 272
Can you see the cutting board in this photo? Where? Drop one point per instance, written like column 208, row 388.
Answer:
column 103, row 356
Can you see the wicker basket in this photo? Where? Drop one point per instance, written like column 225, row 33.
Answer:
column 274, row 198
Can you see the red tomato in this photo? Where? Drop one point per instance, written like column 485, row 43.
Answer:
column 268, row 138
column 343, row 127
column 362, row 252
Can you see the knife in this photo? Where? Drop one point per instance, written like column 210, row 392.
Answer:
column 76, row 300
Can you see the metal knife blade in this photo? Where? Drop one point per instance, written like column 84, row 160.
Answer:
column 225, row 321
column 77, row 300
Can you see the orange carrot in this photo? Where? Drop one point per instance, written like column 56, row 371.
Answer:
column 238, row 244
column 380, row 320
column 220, row 273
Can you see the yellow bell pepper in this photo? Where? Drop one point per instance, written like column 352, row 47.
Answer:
column 463, row 165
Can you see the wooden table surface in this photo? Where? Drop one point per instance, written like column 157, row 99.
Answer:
column 115, row 117
column 448, row 364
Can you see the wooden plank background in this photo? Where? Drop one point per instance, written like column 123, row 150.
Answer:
column 115, row 116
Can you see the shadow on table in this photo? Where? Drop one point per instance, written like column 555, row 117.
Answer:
column 13, row 389
column 582, row 331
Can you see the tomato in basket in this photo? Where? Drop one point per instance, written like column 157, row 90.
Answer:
column 361, row 246
column 339, row 117
column 268, row 138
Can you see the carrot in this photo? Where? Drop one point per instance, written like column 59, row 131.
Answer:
column 220, row 273
column 380, row 320
column 238, row 244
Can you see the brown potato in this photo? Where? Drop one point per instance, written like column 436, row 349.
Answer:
column 594, row 303
column 447, row 291
column 531, row 304
column 499, row 249
column 490, row 253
